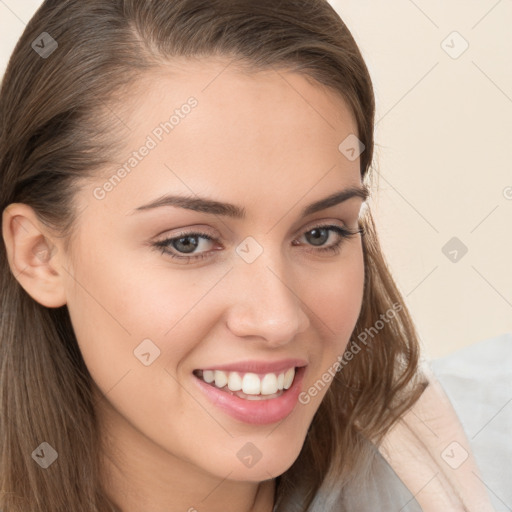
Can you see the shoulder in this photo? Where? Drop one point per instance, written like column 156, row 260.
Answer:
column 379, row 489
column 478, row 381
column 425, row 445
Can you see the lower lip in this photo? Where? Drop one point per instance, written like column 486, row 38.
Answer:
column 257, row 412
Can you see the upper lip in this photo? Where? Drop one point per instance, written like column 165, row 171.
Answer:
column 258, row 366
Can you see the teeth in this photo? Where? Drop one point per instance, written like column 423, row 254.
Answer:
column 250, row 383
column 280, row 381
column 288, row 378
column 234, row 381
column 221, row 379
column 208, row 376
column 269, row 384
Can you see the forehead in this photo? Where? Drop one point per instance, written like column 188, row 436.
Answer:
column 240, row 93
column 215, row 129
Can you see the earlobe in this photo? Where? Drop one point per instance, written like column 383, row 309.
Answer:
column 32, row 255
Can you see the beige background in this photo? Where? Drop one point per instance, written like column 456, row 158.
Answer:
column 443, row 155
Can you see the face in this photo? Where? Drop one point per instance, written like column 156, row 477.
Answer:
column 201, row 323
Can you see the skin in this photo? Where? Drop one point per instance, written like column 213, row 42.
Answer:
column 268, row 142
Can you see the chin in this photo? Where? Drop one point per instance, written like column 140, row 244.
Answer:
column 260, row 459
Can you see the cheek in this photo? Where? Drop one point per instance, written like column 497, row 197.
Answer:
column 338, row 301
column 120, row 313
column 134, row 328
column 337, row 304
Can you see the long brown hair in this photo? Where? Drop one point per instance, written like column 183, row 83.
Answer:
column 57, row 125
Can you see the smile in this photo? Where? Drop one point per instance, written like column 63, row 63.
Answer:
column 256, row 392
column 248, row 385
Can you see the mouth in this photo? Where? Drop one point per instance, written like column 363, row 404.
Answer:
column 249, row 385
column 253, row 392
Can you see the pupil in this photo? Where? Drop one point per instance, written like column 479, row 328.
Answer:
column 318, row 234
column 188, row 247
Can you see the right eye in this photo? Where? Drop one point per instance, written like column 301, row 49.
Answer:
column 185, row 243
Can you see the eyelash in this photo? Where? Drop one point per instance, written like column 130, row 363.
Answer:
column 344, row 233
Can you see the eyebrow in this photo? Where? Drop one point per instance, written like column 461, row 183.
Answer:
column 205, row 205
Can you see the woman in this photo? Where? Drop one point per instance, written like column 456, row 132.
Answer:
column 196, row 313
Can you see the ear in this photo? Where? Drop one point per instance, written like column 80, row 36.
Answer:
column 33, row 255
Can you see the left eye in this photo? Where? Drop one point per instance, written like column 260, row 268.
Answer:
column 187, row 243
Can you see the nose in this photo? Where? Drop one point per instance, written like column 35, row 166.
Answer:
column 264, row 303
